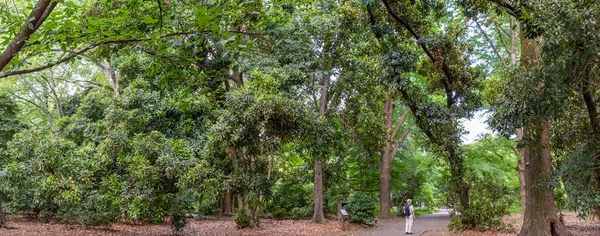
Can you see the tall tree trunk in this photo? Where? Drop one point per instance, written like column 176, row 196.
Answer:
column 385, row 203
column 318, row 216
column 540, row 215
column 520, row 164
column 388, row 152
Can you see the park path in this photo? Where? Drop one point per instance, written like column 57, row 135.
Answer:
column 395, row 226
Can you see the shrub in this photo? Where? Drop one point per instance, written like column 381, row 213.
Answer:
column 241, row 220
column 361, row 207
column 289, row 201
column 489, row 203
column 301, row 212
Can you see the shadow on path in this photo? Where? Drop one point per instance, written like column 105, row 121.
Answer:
column 395, row 226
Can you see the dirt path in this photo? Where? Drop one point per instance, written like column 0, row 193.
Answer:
column 395, row 226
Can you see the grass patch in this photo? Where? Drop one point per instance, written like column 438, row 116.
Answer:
column 420, row 212
column 515, row 208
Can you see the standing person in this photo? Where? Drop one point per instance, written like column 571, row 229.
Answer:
column 409, row 213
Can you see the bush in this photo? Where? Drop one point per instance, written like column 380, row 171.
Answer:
column 361, row 207
column 241, row 220
column 300, row 212
column 209, row 207
column 489, row 203
column 289, row 201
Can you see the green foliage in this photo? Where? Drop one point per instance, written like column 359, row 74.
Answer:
column 489, row 203
column 9, row 123
column 582, row 196
column 494, row 185
column 242, row 220
column 289, row 200
column 361, row 207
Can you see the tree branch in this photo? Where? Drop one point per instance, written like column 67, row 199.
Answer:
column 510, row 7
column 46, row 14
column 400, row 122
column 399, row 141
column 490, row 42
column 449, row 78
column 502, row 39
column 26, row 100
column 79, row 52
column 34, row 20
column 160, row 16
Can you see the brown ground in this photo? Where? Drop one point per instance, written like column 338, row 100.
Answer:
column 574, row 225
column 24, row 226
column 21, row 226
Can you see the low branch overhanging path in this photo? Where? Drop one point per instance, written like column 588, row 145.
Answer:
column 395, row 226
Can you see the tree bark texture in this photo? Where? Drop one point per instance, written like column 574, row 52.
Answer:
column 227, row 203
column 385, row 203
column 540, row 215
column 40, row 12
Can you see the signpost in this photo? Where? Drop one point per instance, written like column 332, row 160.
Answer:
column 345, row 217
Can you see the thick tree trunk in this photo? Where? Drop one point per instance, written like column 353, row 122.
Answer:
column 227, row 203
column 111, row 75
column 385, row 202
column 540, row 215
